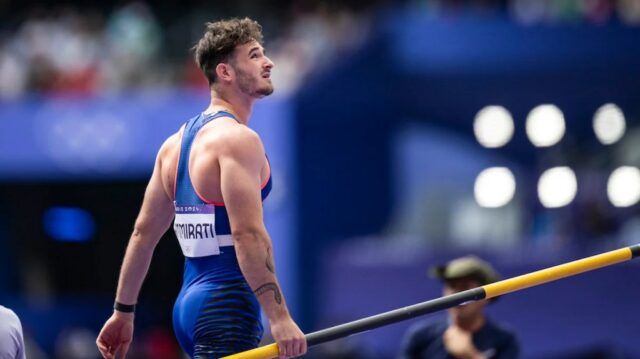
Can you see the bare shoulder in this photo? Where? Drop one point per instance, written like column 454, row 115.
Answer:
column 236, row 140
column 167, row 163
column 170, row 145
column 242, row 137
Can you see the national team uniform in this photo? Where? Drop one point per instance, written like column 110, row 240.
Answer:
column 216, row 313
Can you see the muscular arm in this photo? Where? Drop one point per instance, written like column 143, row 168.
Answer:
column 240, row 167
column 153, row 220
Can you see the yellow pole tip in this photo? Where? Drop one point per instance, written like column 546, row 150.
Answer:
column 265, row 352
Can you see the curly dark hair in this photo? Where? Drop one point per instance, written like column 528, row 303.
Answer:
column 219, row 41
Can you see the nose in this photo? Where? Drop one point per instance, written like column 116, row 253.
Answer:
column 268, row 64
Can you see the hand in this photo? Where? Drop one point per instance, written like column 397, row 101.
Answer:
column 116, row 335
column 459, row 343
column 290, row 339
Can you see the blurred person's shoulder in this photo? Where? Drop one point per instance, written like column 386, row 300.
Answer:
column 501, row 332
column 11, row 337
column 500, row 327
column 8, row 318
column 428, row 329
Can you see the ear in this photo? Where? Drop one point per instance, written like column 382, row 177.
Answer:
column 224, row 72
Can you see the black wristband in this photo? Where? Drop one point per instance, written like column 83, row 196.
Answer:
column 125, row 308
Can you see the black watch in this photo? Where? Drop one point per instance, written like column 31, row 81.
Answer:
column 125, row 308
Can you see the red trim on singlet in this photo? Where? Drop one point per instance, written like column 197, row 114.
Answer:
column 221, row 204
column 203, row 198
column 264, row 184
column 175, row 177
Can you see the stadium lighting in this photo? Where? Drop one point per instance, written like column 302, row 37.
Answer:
column 494, row 187
column 557, row 187
column 545, row 125
column 609, row 124
column 623, row 187
column 493, row 126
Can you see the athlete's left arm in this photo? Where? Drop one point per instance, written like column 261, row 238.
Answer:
column 154, row 219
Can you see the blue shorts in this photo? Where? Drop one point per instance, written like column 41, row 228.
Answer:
column 212, row 320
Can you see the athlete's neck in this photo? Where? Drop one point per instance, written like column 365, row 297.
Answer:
column 239, row 106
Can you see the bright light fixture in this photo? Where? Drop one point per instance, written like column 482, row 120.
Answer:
column 545, row 125
column 609, row 124
column 493, row 126
column 557, row 187
column 494, row 187
column 623, row 187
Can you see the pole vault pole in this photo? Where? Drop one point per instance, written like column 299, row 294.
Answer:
column 485, row 292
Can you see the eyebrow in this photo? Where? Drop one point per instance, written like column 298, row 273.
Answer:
column 256, row 48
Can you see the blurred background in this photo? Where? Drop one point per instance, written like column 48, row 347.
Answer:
column 402, row 134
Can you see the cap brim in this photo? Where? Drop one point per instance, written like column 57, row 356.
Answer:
column 438, row 272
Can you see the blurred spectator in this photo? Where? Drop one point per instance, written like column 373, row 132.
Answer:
column 11, row 338
column 468, row 333
column 13, row 73
column 133, row 39
column 64, row 49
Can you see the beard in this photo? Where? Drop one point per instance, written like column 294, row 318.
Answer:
column 251, row 85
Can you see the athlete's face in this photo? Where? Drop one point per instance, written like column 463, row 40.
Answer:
column 469, row 310
column 253, row 70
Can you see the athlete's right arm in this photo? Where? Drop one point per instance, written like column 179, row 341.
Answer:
column 155, row 216
column 241, row 162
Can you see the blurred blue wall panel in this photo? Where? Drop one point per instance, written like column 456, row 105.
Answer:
column 473, row 44
column 104, row 137
column 111, row 136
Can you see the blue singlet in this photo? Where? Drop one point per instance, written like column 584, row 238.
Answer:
column 216, row 313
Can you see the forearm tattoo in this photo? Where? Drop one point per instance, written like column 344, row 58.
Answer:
column 268, row 287
column 270, row 266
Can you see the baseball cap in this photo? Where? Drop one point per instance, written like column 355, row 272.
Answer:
column 467, row 266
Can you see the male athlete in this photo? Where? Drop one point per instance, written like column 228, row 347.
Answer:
column 212, row 177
